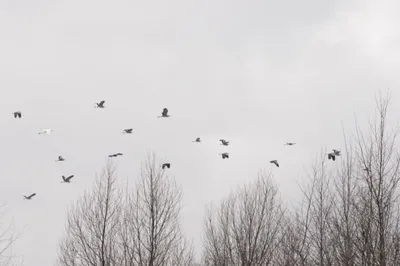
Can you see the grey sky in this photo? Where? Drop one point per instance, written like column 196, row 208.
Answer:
column 258, row 73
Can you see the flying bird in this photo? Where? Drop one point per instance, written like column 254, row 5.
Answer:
column 17, row 114
column 168, row 165
column 224, row 155
column 100, row 104
column 60, row 159
column 164, row 113
column 128, row 131
column 115, row 154
column 336, row 152
column 224, row 142
column 290, row 143
column 67, row 179
column 275, row 162
column 46, row 131
column 29, row 197
column 331, row 156
column 197, row 140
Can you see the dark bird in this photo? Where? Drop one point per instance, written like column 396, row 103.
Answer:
column 100, row 104
column 224, row 142
column 164, row 113
column 29, row 197
column 224, row 155
column 290, row 143
column 197, row 140
column 128, row 131
column 115, row 154
column 67, row 179
column 331, row 156
column 60, row 159
column 17, row 114
column 168, row 165
column 275, row 162
column 336, row 152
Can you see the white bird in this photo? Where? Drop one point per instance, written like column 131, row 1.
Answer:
column 197, row 140
column 60, row 159
column 224, row 142
column 100, row 104
column 224, row 155
column 46, row 131
column 164, row 113
column 17, row 114
column 67, row 179
column 275, row 162
column 29, row 197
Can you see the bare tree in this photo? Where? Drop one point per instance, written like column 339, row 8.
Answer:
column 152, row 233
column 379, row 164
column 7, row 238
column 93, row 225
column 246, row 228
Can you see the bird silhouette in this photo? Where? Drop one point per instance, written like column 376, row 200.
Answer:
column 224, row 155
column 60, row 159
column 164, row 113
column 30, row 196
column 128, row 131
column 46, row 131
column 224, row 142
column 100, row 104
column 275, row 162
column 67, row 179
column 17, row 114
column 168, row 165
column 197, row 140
column 115, row 155
column 289, row 143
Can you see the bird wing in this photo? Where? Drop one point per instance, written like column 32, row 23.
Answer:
column 69, row 178
column 101, row 103
column 32, row 195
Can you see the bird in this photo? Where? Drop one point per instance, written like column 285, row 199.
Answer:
column 197, row 140
column 29, row 197
column 115, row 154
column 224, row 155
column 128, row 131
column 275, row 162
column 46, row 131
column 290, row 143
column 224, row 142
column 100, row 104
column 17, row 114
column 60, row 159
column 336, row 152
column 164, row 113
column 331, row 156
column 168, row 165
column 67, row 179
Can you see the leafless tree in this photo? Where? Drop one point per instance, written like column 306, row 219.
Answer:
column 93, row 225
column 378, row 204
column 7, row 239
column 152, row 233
column 246, row 228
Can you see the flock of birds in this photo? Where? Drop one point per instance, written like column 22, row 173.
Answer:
column 331, row 156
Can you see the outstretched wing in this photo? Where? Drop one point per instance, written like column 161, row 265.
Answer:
column 101, row 103
column 165, row 112
column 32, row 195
column 69, row 178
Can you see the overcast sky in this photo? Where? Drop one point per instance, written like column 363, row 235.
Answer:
column 257, row 73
